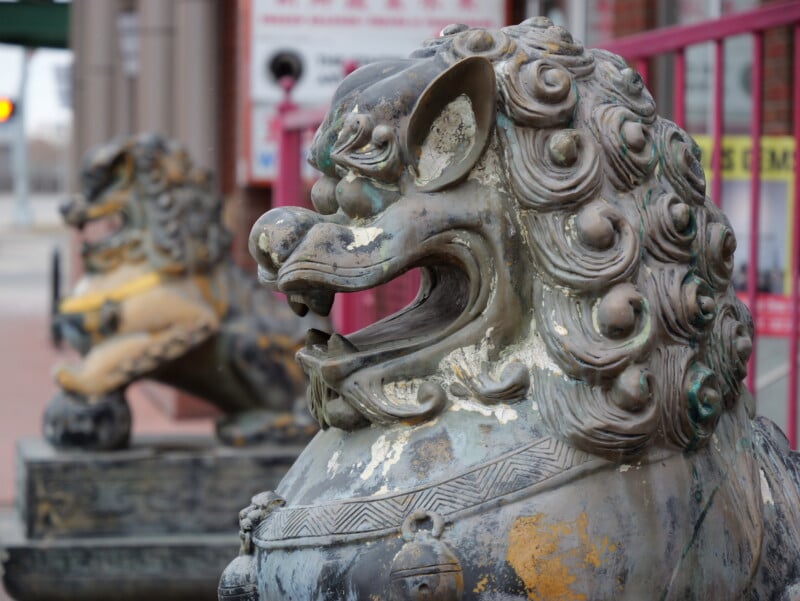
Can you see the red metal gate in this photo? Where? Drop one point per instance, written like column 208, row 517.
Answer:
column 356, row 310
column 640, row 48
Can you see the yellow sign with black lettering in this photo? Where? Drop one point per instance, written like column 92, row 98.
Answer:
column 777, row 157
column 776, row 215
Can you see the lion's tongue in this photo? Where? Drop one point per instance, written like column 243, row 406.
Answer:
column 319, row 301
column 334, row 344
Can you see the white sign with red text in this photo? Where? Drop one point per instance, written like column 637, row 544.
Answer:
column 326, row 35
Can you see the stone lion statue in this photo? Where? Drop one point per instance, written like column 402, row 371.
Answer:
column 160, row 298
column 559, row 415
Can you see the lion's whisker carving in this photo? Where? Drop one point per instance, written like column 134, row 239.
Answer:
column 560, row 414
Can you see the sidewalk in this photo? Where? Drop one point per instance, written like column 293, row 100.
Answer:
column 26, row 355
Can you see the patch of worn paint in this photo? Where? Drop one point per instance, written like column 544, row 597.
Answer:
column 532, row 352
column 452, row 133
column 333, row 463
column 402, row 392
column 480, row 586
column 503, row 413
column 364, row 237
column 263, row 244
column 378, row 453
column 550, row 557
column 396, row 450
column 766, row 492
column 385, row 453
column 625, row 467
column 436, row 450
column 489, row 169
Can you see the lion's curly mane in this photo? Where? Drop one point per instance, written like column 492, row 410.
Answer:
column 632, row 262
column 173, row 214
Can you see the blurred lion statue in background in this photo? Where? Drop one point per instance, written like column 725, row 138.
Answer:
column 160, row 298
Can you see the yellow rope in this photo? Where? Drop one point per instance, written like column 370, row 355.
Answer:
column 94, row 300
column 220, row 304
column 112, row 204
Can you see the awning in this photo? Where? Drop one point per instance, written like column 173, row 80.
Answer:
column 35, row 23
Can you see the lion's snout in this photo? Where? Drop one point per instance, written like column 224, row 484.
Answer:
column 73, row 210
column 276, row 235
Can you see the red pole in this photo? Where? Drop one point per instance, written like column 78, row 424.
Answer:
column 791, row 409
column 288, row 185
column 756, row 84
column 716, row 123
column 680, row 88
column 641, row 67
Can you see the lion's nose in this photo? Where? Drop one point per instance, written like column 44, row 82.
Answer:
column 70, row 209
column 276, row 234
column 65, row 206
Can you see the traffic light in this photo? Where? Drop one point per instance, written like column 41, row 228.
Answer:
column 7, row 107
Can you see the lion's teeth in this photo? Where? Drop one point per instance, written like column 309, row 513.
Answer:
column 316, row 337
column 339, row 345
column 320, row 301
column 300, row 308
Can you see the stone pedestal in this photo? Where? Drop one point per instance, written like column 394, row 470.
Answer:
column 156, row 521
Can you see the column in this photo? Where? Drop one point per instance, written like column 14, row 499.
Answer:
column 156, row 85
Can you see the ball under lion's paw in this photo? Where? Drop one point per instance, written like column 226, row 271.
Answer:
column 74, row 422
column 261, row 425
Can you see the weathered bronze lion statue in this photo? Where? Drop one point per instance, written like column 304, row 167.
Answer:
column 559, row 415
column 160, row 298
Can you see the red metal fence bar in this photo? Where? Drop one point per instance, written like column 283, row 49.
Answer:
column 640, row 48
column 679, row 93
column 671, row 39
column 794, row 330
column 642, row 69
column 288, row 187
column 756, row 84
column 717, row 115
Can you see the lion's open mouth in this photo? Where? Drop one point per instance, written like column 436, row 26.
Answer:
column 452, row 294
column 101, row 223
column 440, row 301
column 103, row 232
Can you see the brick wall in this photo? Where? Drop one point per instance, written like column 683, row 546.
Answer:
column 777, row 100
column 632, row 16
column 227, row 76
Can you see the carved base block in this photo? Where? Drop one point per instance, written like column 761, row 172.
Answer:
column 156, row 521
column 135, row 568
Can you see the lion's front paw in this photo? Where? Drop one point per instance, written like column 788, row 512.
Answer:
column 66, row 378
column 71, row 421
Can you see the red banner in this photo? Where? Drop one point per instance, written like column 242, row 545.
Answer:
column 773, row 314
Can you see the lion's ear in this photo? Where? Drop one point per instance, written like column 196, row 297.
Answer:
column 451, row 124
